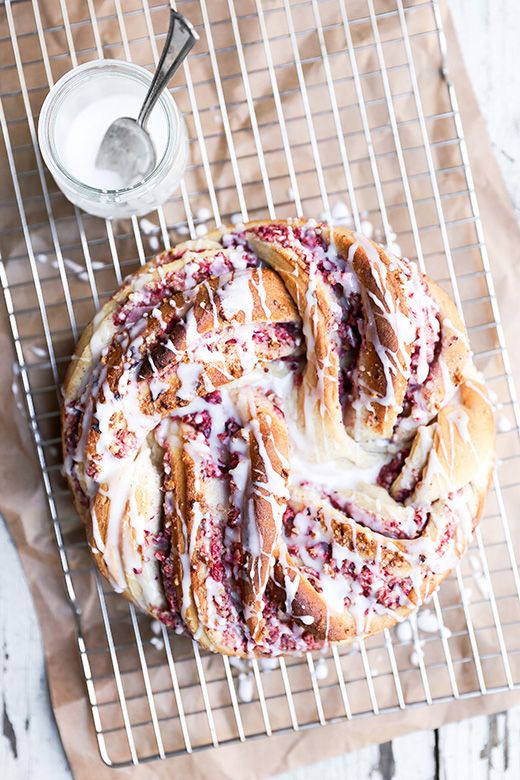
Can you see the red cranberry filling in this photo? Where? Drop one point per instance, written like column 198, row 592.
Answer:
column 211, row 470
column 445, row 538
column 390, row 471
column 214, row 398
column 200, row 421
column 349, row 335
column 284, row 235
column 124, row 441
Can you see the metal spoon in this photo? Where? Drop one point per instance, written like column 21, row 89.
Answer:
column 127, row 147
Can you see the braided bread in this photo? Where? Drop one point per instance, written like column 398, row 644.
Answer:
column 276, row 438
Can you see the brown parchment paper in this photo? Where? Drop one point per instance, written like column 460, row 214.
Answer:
column 24, row 505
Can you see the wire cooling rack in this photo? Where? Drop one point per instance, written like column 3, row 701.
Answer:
column 292, row 107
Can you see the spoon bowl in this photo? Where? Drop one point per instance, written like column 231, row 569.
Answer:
column 127, row 148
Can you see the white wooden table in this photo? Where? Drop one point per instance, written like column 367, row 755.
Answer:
column 30, row 749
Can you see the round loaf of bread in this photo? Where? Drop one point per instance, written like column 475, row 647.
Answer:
column 276, row 438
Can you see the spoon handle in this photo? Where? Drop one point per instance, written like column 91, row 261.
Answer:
column 180, row 39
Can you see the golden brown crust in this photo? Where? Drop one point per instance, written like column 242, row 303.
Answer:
column 265, row 502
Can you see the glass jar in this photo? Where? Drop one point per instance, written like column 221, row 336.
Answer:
column 73, row 119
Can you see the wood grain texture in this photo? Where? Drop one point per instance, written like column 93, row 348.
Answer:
column 482, row 747
column 29, row 746
column 397, row 759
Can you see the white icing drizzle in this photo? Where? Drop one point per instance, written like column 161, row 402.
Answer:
column 235, row 297
column 480, row 392
column 189, row 376
column 262, row 294
column 448, row 324
column 103, row 330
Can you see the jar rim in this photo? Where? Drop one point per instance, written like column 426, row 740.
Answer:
column 63, row 87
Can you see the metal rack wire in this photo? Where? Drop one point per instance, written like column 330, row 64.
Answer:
column 296, row 106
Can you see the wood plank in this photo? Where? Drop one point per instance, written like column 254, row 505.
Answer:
column 30, row 747
column 411, row 757
column 512, row 749
column 414, row 756
column 473, row 748
column 482, row 748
